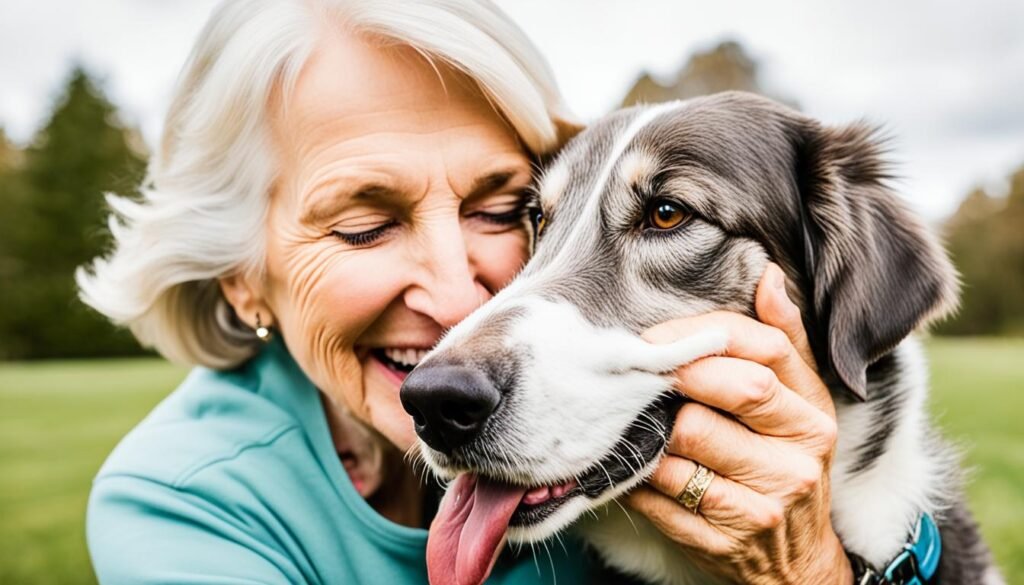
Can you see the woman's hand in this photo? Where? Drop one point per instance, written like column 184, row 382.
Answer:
column 764, row 422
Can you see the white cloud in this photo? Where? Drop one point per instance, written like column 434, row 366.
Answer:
column 135, row 46
column 945, row 76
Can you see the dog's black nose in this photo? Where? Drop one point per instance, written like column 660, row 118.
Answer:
column 449, row 404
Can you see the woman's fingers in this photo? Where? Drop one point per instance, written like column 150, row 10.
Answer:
column 748, row 339
column 734, row 451
column 752, row 340
column 729, row 508
column 776, row 309
column 724, row 501
column 755, row 395
column 676, row 522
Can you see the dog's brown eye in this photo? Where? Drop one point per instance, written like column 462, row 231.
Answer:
column 665, row 215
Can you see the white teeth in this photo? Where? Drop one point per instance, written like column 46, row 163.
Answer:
column 407, row 357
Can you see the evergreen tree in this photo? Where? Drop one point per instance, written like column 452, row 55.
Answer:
column 10, row 203
column 56, row 219
column 10, row 155
column 724, row 67
column 986, row 239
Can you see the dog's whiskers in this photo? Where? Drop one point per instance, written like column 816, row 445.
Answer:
column 622, row 460
column 558, row 538
column 551, row 561
column 533, row 553
column 611, row 483
column 628, row 517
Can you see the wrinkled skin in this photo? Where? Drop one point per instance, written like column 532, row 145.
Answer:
column 403, row 155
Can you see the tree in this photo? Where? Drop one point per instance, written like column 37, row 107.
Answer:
column 986, row 240
column 727, row 66
column 10, row 155
column 11, row 202
column 56, row 214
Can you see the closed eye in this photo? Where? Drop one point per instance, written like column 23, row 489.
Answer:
column 505, row 210
column 364, row 237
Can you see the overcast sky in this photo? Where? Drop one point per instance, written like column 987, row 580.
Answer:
column 946, row 77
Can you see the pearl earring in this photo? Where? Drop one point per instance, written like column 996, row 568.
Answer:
column 263, row 333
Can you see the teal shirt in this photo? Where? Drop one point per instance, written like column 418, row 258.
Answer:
column 234, row 479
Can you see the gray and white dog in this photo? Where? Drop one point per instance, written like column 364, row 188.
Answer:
column 547, row 405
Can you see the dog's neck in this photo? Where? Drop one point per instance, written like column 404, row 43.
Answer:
column 888, row 465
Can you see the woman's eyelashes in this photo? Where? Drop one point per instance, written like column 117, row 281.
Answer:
column 364, row 237
column 503, row 210
column 503, row 218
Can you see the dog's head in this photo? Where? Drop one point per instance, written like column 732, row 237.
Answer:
column 544, row 396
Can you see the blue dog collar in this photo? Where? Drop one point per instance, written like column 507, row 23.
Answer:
column 916, row 564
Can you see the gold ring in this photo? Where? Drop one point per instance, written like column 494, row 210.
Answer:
column 694, row 491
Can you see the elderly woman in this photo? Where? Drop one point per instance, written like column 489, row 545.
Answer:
column 338, row 183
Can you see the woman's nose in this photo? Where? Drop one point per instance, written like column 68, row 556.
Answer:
column 448, row 288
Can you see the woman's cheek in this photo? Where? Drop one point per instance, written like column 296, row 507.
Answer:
column 331, row 300
column 498, row 257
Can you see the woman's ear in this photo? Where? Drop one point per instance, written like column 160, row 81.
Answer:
column 246, row 298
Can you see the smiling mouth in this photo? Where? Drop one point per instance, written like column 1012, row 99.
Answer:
column 401, row 360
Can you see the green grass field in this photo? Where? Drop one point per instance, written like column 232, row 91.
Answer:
column 58, row 420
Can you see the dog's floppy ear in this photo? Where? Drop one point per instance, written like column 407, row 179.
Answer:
column 876, row 273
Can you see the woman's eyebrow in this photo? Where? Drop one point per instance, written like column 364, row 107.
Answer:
column 492, row 182
column 323, row 203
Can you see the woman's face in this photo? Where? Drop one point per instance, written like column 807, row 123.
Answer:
column 397, row 212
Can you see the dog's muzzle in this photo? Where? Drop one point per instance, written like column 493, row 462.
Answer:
column 449, row 404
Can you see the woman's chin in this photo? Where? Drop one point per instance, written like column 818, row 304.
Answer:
column 382, row 385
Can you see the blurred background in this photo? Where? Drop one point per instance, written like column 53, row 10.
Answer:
column 83, row 87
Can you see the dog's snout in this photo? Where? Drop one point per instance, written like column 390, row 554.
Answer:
column 449, row 404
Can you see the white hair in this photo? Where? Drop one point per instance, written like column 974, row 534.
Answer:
column 201, row 214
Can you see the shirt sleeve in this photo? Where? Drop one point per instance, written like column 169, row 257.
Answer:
column 141, row 531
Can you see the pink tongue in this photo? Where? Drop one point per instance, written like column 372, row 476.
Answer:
column 469, row 529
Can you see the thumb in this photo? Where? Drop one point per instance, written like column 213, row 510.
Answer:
column 776, row 309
